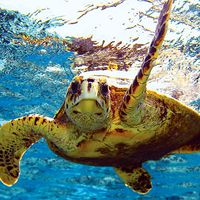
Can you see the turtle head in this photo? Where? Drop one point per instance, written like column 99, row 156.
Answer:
column 87, row 103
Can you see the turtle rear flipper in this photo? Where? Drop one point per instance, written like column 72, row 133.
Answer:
column 16, row 137
column 138, row 179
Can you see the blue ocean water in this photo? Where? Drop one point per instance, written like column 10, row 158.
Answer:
column 33, row 79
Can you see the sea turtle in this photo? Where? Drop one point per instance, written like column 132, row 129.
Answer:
column 104, row 125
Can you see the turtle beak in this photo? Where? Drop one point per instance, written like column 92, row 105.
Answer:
column 88, row 97
column 89, row 106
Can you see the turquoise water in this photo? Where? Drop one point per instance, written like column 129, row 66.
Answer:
column 28, row 84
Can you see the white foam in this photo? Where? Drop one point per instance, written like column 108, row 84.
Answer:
column 108, row 24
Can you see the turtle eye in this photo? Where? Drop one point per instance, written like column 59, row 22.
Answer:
column 104, row 89
column 75, row 87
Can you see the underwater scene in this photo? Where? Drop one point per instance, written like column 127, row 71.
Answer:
column 43, row 45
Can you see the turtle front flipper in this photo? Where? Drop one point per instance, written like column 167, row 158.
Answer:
column 131, row 107
column 16, row 137
column 135, row 178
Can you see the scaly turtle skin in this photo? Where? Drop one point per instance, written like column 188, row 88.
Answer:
column 104, row 125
